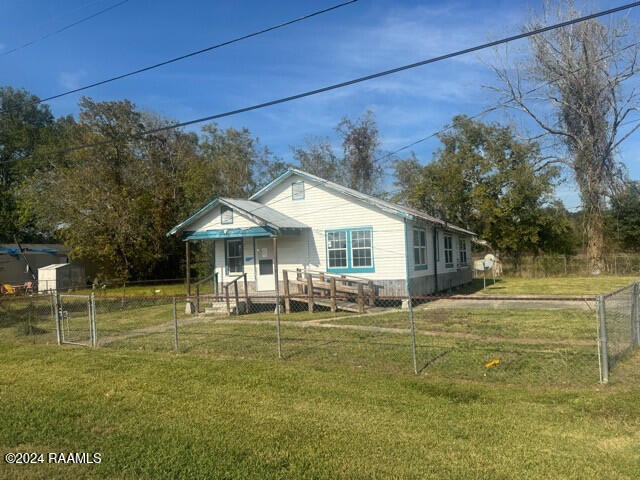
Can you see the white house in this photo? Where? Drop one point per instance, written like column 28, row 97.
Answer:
column 302, row 221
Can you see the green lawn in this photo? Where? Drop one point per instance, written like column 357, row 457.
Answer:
column 161, row 415
column 553, row 285
column 566, row 324
column 341, row 403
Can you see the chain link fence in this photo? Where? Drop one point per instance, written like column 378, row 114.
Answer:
column 528, row 341
column 619, row 326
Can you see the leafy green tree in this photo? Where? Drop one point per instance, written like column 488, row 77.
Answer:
column 624, row 217
column 486, row 180
column 24, row 127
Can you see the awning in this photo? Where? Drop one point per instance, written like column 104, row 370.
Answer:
column 230, row 233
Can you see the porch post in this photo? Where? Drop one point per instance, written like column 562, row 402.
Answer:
column 275, row 276
column 188, row 267
column 214, row 278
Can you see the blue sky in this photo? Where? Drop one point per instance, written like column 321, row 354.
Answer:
column 349, row 42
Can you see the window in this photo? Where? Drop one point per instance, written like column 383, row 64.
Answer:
column 337, row 249
column 419, row 248
column 361, row 248
column 226, row 215
column 462, row 246
column 297, row 191
column 350, row 250
column 448, row 251
column 234, row 256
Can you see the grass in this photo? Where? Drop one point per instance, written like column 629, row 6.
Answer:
column 590, row 285
column 161, row 415
column 566, row 324
column 341, row 403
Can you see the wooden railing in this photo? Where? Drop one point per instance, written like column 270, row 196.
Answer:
column 234, row 282
column 214, row 279
column 319, row 287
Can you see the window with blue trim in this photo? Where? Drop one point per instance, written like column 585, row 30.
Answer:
column 297, row 191
column 350, row 250
column 226, row 215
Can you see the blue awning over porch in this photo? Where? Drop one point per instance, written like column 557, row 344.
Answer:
column 229, row 233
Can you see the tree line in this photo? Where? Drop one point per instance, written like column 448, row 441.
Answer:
column 114, row 202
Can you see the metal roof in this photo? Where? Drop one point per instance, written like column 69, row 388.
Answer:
column 384, row 205
column 267, row 214
column 261, row 214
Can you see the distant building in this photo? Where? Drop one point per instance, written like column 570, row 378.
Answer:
column 18, row 267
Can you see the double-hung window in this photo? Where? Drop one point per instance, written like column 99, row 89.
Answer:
column 337, row 249
column 448, row 251
column 235, row 256
column 462, row 247
column 350, row 250
column 420, row 249
column 361, row 253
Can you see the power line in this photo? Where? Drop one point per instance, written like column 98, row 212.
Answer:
column 364, row 78
column 194, row 53
column 66, row 27
column 505, row 104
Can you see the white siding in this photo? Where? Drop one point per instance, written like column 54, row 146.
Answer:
column 323, row 209
column 212, row 221
column 430, row 252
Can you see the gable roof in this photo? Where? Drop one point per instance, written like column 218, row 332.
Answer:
column 257, row 212
column 389, row 207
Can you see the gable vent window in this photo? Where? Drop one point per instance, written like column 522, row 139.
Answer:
column 297, row 191
column 226, row 215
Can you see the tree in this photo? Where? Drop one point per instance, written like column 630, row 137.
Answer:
column 114, row 202
column 484, row 179
column 238, row 160
column 360, row 143
column 318, row 158
column 358, row 168
column 624, row 217
column 579, row 71
column 24, row 126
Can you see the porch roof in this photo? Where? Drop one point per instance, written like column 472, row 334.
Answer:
column 268, row 221
column 229, row 233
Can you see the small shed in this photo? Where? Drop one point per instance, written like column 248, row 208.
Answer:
column 60, row 277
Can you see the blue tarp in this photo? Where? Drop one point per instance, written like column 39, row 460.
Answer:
column 15, row 251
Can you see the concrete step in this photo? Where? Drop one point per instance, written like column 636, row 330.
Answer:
column 220, row 308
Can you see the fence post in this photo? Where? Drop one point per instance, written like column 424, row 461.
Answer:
column 175, row 325
column 604, row 359
column 635, row 332
column 197, row 298
column 287, row 296
column 360, row 298
column 56, row 309
column 310, row 291
column 94, row 329
column 332, row 293
column 53, row 310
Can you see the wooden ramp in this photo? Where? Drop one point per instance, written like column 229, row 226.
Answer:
column 336, row 292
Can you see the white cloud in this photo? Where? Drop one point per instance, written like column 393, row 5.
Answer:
column 71, row 80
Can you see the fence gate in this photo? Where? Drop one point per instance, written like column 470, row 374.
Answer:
column 76, row 320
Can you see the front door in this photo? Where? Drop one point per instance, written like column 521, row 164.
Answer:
column 265, row 265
